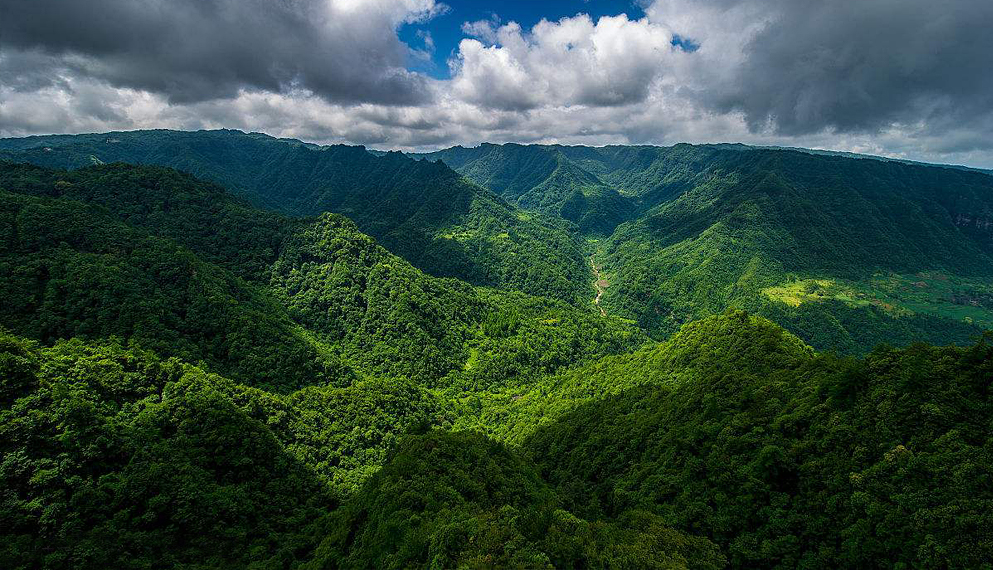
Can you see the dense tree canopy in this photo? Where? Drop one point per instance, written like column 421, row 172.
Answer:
column 189, row 380
column 733, row 444
column 845, row 252
column 422, row 211
column 154, row 255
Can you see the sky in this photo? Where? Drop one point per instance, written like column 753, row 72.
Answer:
column 902, row 78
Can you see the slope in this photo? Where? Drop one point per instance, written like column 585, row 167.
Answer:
column 113, row 457
column 68, row 269
column 794, row 460
column 149, row 254
column 731, row 444
column 422, row 211
column 541, row 179
column 846, row 252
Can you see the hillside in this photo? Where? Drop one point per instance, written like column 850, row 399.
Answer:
column 845, row 252
column 730, row 445
column 69, row 269
column 186, row 269
column 421, row 211
column 544, row 179
column 794, row 460
column 189, row 380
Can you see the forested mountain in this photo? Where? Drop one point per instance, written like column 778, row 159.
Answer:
column 845, row 252
column 731, row 445
column 424, row 212
column 71, row 269
column 156, row 255
column 191, row 377
column 542, row 178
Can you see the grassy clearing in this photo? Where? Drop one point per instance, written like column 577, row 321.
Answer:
column 900, row 295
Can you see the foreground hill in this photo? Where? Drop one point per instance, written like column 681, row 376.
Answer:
column 424, row 212
column 730, row 445
column 188, row 270
column 845, row 252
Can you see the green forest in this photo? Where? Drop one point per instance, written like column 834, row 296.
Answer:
column 225, row 350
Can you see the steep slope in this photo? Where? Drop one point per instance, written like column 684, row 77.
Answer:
column 395, row 320
column 422, row 211
column 69, row 269
column 731, row 444
column 733, row 341
column 201, row 216
column 541, row 179
column 847, row 252
column 795, row 460
column 115, row 459
column 152, row 254
column 463, row 501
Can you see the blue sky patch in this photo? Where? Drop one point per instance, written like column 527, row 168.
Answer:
column 445, row 31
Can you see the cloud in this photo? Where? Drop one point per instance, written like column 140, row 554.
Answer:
column 802, row 66
column 904, row 78
column 485, row 30
column 574, row 61
column 195, row 50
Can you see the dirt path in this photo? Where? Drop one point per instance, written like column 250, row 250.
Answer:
column 600, row 284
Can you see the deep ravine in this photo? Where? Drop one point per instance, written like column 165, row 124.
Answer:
column 600, row 284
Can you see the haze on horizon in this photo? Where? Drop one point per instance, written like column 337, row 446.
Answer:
column 907, row 79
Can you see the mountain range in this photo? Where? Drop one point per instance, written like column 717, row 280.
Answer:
column 844, row 252
column 226, row 350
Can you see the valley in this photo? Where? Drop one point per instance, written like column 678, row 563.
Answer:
column 599, row 283
column 466, row 285
column 226, row 350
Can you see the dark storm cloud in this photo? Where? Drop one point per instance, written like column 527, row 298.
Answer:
column 193, row 50
column 859, row 66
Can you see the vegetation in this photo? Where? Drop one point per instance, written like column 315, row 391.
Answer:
column 796, row 460
column 72, row 270
column 112, row 458
column 305, row 301
column 422, row 211
column 731, row 445
column 448, row 500
column 188, row 380
column 542, row 179
column 709, row 227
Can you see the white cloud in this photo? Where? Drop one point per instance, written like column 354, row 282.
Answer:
column 573, row 61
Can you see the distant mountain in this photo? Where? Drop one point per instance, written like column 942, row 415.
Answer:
column 422, row 211
column 845, row 252
column 873, row 157
column 542, row 179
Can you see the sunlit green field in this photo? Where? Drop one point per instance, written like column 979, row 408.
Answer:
column 921, row 293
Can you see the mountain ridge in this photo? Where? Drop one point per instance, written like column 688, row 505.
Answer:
column 424, row 212
column 846, row 252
